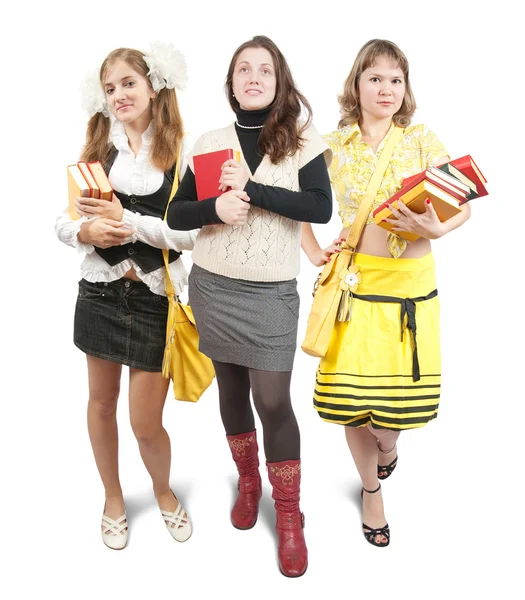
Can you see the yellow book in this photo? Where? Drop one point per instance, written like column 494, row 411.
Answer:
column 77, row 187
column 445, row 205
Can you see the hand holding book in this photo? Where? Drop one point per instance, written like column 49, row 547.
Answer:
column 234, row 176
column 87, row 180
column 407, row 222
column 447, row 187
column 93, row 207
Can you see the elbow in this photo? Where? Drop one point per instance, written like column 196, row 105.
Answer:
column 324, row 212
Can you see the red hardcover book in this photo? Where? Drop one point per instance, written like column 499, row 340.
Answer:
column 466, row 165
column 207, row 168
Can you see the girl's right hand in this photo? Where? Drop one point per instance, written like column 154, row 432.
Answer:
column 232, row 207
column 104, row 233
column 324, row 255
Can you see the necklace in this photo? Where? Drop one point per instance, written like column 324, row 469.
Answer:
column 249, row 126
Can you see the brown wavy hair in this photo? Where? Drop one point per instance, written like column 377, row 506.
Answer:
column 168, row 126
column 280, row 136
column 366, row 57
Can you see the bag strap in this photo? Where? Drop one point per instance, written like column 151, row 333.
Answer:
column 373, row 185
column 170, row 291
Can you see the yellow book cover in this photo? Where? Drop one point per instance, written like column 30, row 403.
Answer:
column 77, row 187
column 445, row 205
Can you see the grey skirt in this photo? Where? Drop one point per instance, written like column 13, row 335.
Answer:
column 247, row 323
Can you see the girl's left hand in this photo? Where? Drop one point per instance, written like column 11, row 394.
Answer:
column 95, row 207
column 426, row 224
column 234, row 176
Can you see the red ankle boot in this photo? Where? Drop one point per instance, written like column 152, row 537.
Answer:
column 244, row 451
column 285, row 477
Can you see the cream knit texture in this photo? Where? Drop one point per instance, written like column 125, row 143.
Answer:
column 267, row 247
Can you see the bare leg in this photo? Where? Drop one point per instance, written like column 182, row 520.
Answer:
column 104, row 387
column 147, row 394
column 386, row 443
column 363, row 446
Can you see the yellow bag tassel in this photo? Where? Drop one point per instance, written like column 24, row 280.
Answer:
column 344, row 310
column 166, row 361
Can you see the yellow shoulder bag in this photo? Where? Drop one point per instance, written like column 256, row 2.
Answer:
column 339, row 278
column 190, row 371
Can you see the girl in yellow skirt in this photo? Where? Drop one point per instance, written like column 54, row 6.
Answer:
column 381, row 373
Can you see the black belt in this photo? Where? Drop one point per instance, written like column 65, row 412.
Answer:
column 408, row 308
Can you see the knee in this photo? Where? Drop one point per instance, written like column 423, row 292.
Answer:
column 104, row 403
column 277, row 412
column 145, row 430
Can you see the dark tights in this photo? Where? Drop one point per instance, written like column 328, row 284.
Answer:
column 271, row 397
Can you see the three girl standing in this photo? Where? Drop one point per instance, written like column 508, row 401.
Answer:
column 246, row 256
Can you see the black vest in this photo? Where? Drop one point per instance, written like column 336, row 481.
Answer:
column 154, row 205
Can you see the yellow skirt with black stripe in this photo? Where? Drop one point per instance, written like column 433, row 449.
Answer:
column 383, row 367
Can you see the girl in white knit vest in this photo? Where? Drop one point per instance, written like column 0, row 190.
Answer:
column 242, row 285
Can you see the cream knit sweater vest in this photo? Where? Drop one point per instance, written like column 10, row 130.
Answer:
column 267, row 247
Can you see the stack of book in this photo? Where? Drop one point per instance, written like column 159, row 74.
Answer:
column 87, row 180
column 447, row 186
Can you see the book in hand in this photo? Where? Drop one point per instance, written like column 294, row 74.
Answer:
column 207, row 170
column 414, row 196
column 455, row 188
column 87, row 180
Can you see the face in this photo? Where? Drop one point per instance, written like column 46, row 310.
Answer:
column 381, row 89
column 128, row 93
column 254, row 79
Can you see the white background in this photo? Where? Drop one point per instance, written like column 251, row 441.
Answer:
column 453, row 504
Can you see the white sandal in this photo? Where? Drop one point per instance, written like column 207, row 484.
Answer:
column 115, row 532
column 178, row 523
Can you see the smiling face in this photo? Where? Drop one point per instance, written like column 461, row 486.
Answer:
column 254, row 80
column 381, row 89
column 128, row 93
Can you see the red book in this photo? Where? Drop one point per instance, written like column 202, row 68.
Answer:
column 466, row 165
column 207, row 169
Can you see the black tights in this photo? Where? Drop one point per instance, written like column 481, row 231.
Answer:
column 271, row 397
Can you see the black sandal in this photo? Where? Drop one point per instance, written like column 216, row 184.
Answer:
column 369, row 533
column 384, row 471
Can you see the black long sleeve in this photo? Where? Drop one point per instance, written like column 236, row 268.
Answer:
column 313, row 204
column 185, row 212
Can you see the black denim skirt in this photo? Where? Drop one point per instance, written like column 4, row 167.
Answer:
column 122, row 321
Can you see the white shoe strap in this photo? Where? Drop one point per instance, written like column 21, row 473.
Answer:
column 115, row 527
column 176, row 517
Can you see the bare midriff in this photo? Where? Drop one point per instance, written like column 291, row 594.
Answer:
column 132, row 275
column 373, row 242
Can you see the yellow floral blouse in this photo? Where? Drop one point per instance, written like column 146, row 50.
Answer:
column 354, row 162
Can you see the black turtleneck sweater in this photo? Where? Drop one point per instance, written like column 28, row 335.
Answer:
column 313, row 204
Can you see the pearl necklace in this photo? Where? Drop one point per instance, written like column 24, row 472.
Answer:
column 249, row 126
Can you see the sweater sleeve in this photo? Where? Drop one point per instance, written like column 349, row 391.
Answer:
column 185, row 212
column 313, row 204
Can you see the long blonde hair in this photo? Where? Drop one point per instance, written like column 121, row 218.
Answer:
column 168, row 127
column 366, row 57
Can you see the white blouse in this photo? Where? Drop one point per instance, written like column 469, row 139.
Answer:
column 136, row 175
